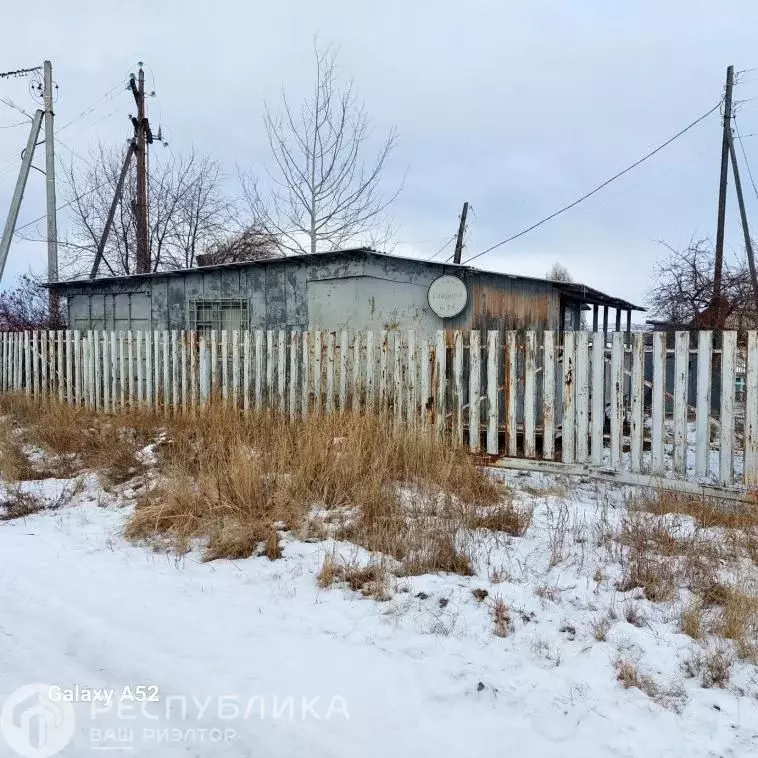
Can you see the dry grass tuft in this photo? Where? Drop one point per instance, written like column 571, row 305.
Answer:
column 691, row 620
column 712, row 664
column 506, row 517
column 707, row 512
column 81, row 439
column 634, row 615
column 370, row 581
column 600, row 628
column 230, row 478
column 502, row 619
column 673, row 697
column 16, row 504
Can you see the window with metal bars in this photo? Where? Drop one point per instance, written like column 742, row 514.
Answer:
column 219, row 313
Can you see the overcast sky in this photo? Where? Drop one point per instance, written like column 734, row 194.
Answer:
column 516, row 107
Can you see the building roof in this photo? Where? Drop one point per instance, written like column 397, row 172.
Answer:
column 571, row 290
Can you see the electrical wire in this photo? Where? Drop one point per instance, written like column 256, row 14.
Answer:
column 599, row 186
column 450, row 239
column 744, row 155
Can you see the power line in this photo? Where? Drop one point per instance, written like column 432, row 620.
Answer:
column 450, row 239
column 64, row 206
column 599, row 187
column 744, row 155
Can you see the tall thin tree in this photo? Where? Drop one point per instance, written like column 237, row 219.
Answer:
column 323, row 192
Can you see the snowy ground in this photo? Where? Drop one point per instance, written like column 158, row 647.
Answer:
column 251, row 658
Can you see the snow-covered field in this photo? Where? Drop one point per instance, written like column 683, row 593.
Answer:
column 251, row 658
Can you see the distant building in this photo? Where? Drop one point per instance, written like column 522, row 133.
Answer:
column 351, row 289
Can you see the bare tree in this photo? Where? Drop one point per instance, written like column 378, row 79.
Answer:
column 251, row 244
column 189, row 212
column 558, row 273
column 683, row 287
column 323, row 193
column 27, row 306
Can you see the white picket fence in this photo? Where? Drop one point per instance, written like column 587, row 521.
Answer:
column 572, row 397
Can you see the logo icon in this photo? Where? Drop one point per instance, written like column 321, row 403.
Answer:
column 33, row 725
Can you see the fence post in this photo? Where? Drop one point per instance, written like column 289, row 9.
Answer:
column 281, row 371
column 426, row 382
column 258, row 369
column 225, row 366
column 246, row 365
column 411, row 374
column 493, row 410
column 293, row 374
column 548, row 396
column 598, row 398
column 138, row 340
column 35, row 364
column 530, row 388
column 750, row 476
column 343, row 369
column 383, row 359
column 440, row 360
column 205, row 380
column 193, row 378
column 511, row 384
column 397, row 380
column 726, row 454
column 183, row 359
column 43, row 361
column 637, row 389
column 130, row 366
column 568, row 428
column 681, row 375
column 582, row 395
column 318, row 351
column 458, row 387
column 474, row 389
column 330, row 348
column 658, row 402
column 703, row 404
column 97, row 356
column 305, row 381
column 355, row 400
column 617, row 396
column 28, row 363
column 370, row 399
column 235, row 368
column 174, row 371
column 149, row 369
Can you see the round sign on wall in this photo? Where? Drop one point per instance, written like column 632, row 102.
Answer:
column 447, row 296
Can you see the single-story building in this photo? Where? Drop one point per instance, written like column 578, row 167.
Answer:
column 357, row 289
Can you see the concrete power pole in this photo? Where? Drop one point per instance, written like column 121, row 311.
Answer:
column 52, row 220
column 716, row 303
column 144, row 138
column 461, row 231
column 18, row 192
column 743, row 217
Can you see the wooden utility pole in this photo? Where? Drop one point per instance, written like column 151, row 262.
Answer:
column 143, row 138
column 112, row 211
column 52, row 221
column 743, row 216
column 716, row 299
column 461, row 231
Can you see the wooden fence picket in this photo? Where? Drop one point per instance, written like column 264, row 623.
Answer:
column 530, row 390
column 658, row 404
column 728, row 375
column 474, row 388
column 703, row 404
column 548, row 396
column 681, row 375
column 568, row 428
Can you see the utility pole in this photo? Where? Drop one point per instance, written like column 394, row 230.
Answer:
column 743, row 216
column 716, row 300
column 112, row 211
column 52, row 221
column 18, row 192
column 143, row 137
column 461, row 231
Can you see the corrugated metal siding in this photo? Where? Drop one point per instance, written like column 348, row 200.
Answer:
column 394, row 290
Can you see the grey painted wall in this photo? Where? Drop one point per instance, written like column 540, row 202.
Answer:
column 349, row 290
